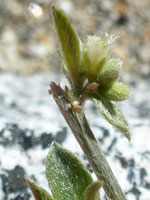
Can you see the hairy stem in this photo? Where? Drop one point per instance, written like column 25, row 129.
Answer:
column 85, row 137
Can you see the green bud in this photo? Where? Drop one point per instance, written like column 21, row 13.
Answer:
column 117, row 92
column 110, row 72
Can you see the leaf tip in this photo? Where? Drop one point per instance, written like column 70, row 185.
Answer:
column 128, row 136
column 55, row 145
column 92, row 191
column 126, row 133
column 27, row 180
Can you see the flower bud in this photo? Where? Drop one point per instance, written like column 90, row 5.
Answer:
column 110, row 72
column 97, row 53
column 117, row 92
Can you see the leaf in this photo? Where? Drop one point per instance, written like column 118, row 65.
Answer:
column 92, row 191
column 113, row 115
column 110, row 72
column 38, row 192
column 69, row 44
column 67, row 177
column 117, row 92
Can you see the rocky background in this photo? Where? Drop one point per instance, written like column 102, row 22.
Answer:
column 29, row 118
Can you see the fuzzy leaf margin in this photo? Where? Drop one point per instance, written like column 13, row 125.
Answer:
column 69, row 44
column 113, row 115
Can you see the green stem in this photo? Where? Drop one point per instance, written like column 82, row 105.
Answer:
column 85, row 137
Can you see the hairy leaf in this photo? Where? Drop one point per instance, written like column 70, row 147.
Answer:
column 70, row 48
column 67, row 177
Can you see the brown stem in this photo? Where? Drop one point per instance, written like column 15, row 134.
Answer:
column 85, row 137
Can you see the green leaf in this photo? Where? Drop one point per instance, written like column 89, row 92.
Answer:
column 92, row 191
column 38, row 192
column 117, row 92
column 67, row 177
column 110, row 73
column 113, row 115
column 70, row 48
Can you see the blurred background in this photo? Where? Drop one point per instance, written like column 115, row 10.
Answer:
column 29, row 118
column 28, row 43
